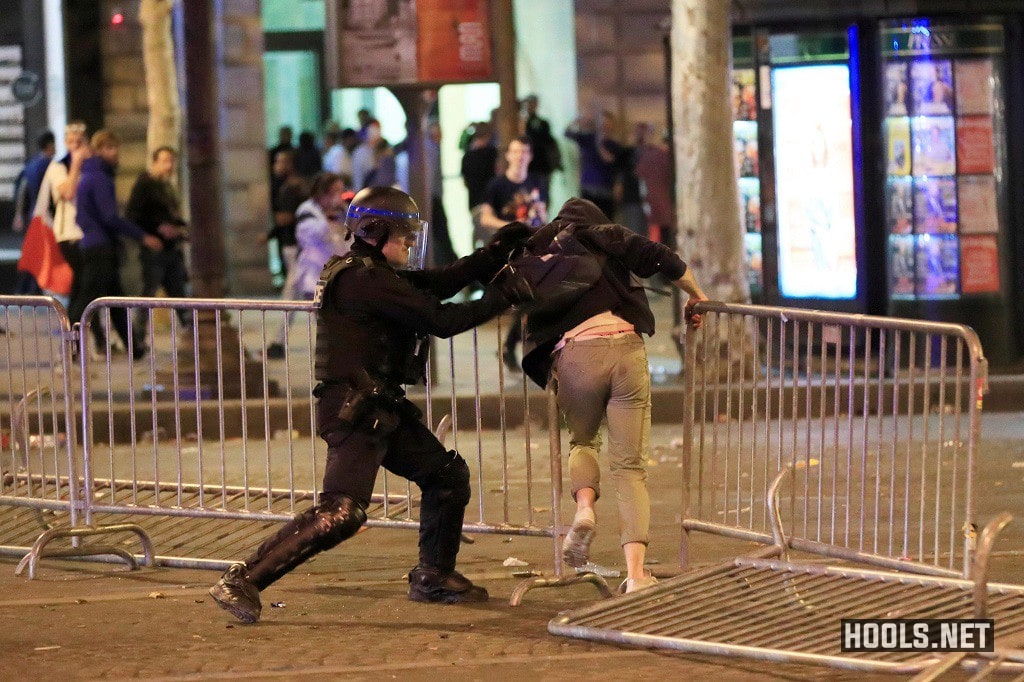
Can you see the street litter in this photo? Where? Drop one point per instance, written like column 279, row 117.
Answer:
column 591, row 567
column 513, row 561
column 527, row 573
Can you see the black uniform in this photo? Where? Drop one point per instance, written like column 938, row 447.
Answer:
column 372, row 329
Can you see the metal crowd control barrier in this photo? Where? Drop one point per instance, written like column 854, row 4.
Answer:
column 776, row 610
column 876, row 420
column 39, row 475
column 198, row 432
column 878, row 417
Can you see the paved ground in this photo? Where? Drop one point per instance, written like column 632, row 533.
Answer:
column 345, row 615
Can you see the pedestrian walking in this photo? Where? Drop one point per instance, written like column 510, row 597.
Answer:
column 598, row 152
column 319, row 234
column 101, row 224
column 547, row 157
column 154, row 206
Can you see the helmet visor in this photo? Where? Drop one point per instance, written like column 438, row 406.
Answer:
column 417, row 241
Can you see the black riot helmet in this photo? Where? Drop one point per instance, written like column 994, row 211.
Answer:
column 377, row 214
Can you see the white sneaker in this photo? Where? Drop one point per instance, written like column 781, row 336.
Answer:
column 576, row 546
column 630, row 585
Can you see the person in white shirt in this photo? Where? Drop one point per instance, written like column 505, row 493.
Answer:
column 320, row 234
column 56, row 200
column 338, row 157
column 364, row 157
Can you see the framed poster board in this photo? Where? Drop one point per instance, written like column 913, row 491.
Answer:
column 976, row 199
column 938, row 265
column 975, row 149
column 408, row 42
column 935, row 205
column 979, row 264
column 934, row 145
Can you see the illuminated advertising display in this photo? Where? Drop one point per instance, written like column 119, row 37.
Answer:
column 814, row 181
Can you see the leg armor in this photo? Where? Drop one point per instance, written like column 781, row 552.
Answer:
column 320, row 528
column 446, row 493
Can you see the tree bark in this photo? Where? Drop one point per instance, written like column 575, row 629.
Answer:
column 161, row 76
column 710, row 236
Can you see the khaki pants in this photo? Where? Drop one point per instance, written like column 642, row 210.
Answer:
column 608, row 378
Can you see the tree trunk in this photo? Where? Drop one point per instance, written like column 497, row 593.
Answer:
column 161, row 77
column 710, row 237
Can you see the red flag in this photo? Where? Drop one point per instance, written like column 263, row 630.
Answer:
column 41, row 257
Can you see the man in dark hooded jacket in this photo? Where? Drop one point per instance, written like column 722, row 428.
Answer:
column 596, row 355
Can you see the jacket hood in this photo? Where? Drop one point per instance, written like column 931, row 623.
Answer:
column 575, row 211
column 582, row 212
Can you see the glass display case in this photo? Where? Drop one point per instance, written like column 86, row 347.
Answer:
column 944, row 133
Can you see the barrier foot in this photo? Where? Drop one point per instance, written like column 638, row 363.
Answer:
column 979, row 572
column 39, row 550
column 539, row 581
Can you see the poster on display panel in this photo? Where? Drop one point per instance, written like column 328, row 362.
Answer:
column 405, row 42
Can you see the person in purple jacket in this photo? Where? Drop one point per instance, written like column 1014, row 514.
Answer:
column 101, row 224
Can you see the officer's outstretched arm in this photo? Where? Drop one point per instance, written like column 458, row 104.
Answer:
column 401, row 303
column 480, row 266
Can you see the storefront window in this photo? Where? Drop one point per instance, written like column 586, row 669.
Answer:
column 293, row 15
column 944, row 139
column 291, row 93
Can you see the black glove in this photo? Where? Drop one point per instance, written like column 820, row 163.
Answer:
column 509, row 238
column 513, row 286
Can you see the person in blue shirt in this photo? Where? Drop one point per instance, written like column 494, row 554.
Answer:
column 101, row 224
column 30, row 180
column 26, row 190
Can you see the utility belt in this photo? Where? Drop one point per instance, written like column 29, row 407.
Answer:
column 372, row 407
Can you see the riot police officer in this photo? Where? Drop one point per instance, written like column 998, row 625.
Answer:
column 373, row 319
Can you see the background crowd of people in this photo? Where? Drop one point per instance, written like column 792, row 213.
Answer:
column 74, row 229
column 311, row 182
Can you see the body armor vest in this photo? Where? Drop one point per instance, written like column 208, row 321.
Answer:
column 352, row 339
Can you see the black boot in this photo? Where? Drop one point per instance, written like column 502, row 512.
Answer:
column 237, row 595
column 427, row 584
column 311, row 532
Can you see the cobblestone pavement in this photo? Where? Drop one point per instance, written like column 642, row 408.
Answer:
column 345, row 615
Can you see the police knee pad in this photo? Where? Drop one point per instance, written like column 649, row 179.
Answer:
column 450, row 482
column 338, row 517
